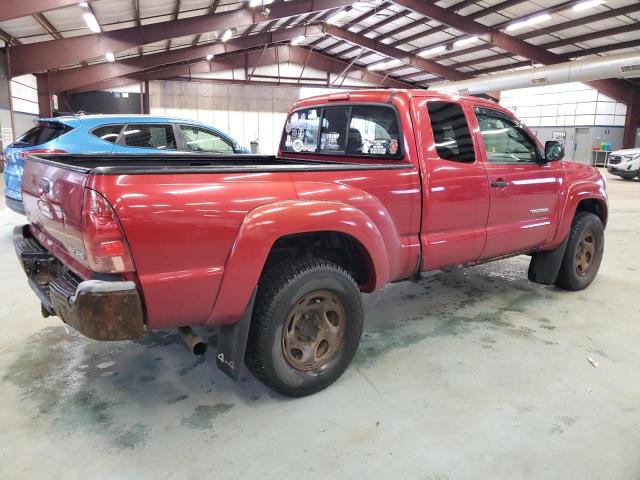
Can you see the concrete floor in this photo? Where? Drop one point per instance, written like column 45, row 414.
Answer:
column 471, row 374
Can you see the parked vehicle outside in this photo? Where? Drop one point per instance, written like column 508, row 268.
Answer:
column 624, row 163
column 370, row 187
column 130, row 134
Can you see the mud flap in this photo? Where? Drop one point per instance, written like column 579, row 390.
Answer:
column 232, row 342
column 544, row 266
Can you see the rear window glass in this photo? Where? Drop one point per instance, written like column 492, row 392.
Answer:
column 451, row 135
column 373, row 131
column 333, row 136
column 42, row 133
column 108, row 133
column 359, row 130
column 150, row 136
column 301, row 131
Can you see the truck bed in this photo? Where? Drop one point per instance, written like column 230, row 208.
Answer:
column 187, row 218
column 101, row 164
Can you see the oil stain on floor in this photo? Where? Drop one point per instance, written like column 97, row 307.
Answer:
column 118, row 391
column 115, row 391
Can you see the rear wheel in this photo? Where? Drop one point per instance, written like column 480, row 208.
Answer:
column 584, row 252
column 305, row 328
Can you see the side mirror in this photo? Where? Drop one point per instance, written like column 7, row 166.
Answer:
column 553, row 151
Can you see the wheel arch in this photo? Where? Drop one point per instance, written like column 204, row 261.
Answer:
column 301, row 224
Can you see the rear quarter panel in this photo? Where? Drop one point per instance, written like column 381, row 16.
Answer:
column 185, row 229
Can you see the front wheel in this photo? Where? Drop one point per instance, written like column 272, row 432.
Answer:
column 584, row 252
column 306, row 326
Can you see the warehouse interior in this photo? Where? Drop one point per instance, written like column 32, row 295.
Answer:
column 465, row 373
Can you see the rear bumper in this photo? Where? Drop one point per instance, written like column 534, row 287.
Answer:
column 98, row 309
column 15, row 205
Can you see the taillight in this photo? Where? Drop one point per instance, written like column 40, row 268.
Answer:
column 104, row 242
column 25, row 153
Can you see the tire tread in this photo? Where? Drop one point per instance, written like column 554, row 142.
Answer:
column 271, row 288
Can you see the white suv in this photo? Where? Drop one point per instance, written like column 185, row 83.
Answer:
column 625, row 163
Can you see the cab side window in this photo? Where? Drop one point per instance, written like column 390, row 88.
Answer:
column 505, row 141
column 452, row 138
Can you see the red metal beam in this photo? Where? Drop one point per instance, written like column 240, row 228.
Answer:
column 107, row 84
column 410, row 59
column 554, row 28
column 283, row 53
column 41, row 56
column 23, row 8
column 558, row 43
column 616, row 89
column 46, row 24
column 72, row 78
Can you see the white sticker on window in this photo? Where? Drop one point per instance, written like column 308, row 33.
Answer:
column 332, row 141
column 297, row 145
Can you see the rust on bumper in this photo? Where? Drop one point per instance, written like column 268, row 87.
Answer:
column 98, row 309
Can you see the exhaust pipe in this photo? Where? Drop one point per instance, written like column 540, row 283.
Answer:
column 196, row 344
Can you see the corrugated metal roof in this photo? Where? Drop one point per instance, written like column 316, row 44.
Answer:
column 383, row 21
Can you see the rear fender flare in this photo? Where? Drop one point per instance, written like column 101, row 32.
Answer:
column 264, row 225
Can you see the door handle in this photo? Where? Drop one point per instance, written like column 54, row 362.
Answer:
column 499, row 183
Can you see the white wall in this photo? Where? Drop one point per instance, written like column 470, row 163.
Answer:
column 24, row 92
column 564, row 108
column 566, row 105
column 246, row 112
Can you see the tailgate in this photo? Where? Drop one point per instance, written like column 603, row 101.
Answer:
column 52, row 197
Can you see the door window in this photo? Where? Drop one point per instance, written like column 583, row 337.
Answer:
column 505, row 141
column 201, row 140
column 149, row 136
column 451, row 135
column 108, row 133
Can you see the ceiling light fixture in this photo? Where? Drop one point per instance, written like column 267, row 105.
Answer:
column 91, row 21
column 209, row 57
column 298, row 40
column 578, row 7
column 543, row 17
column 83, row 5
column 110, row 57
column 465, row 41
column 433, row 51
column 258, row 3
column 336, row 17
column 226, row 35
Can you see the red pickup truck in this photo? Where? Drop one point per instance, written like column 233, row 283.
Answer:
column 369, row 187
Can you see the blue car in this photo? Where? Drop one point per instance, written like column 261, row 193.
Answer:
column 110, row 134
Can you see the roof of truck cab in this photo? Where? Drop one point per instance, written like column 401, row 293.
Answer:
column 385, row 96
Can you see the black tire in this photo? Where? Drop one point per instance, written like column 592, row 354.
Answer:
column 280, row 292
column 573, row 275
